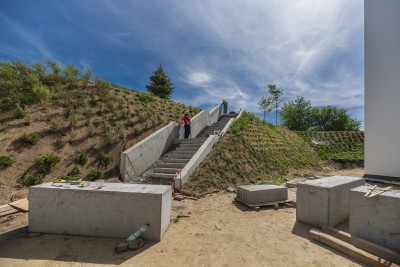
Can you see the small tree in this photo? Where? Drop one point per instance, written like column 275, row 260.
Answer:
column 331, row 118
column 160, row 85
column 296, row 115
column 265, row 105
column 276, row 94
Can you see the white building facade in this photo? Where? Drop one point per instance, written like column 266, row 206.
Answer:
column 382, row 89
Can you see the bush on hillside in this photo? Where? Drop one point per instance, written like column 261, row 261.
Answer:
column 30, row 138
column 31, row 179
column 95, row 175
column 146, row 98
column 48, row 162
column 6, row 161
column 82, row 158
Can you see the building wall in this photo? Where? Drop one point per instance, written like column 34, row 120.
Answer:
column 382, row 88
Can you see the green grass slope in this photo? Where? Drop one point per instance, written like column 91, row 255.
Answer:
column 51, row 126
column 251, row 152
column 339, row 146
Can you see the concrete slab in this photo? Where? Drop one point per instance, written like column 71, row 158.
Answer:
column 253, row 194
column 325, row 201
column 116, row 210
column 376, row 219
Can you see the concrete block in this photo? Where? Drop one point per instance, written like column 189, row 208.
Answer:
column 253, row 194
column 376, row 219
column 325, row 201
column 116, row 210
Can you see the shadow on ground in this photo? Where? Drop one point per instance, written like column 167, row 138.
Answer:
column 19, row 244
column 303, row 230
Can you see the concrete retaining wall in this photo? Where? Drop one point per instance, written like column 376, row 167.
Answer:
column 377, row 218
column 199, row 121
column 135, row 160
column 195, row 161
column 116, row 210
column 215, row 114
column 325, row 201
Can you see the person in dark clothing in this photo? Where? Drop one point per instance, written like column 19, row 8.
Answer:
column 224, row 106
column 187, row 123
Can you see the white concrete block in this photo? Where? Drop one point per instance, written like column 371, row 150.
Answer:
column 376, row 219
column 253, row 194
column 325, row 201
column 116, row 210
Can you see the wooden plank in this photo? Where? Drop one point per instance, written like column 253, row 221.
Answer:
column 344, row 236
column 257, row 205
column 22, row 204
column 380, row 191
column 363, row 244
column 350, row 250
column 370, row 190
column 7, row 210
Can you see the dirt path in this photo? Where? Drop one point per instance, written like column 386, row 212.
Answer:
column 219, row 232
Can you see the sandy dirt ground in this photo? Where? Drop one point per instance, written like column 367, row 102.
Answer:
column 217, row 232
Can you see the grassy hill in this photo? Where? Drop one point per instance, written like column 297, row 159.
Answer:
column 251, row 152
column 340, row 146
column 53, row 125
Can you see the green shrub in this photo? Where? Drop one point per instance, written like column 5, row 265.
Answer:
column 104, row 159
column 95, row 174
column 41, row 92
column 55, row 125
column 48, row 161
column 91, row 130
column 146, row 98
column 82, row 158
column 76, row 170
column 19, row 112
column 69, row 177
column 30, row 138
column 6, row 161
column 31, row 179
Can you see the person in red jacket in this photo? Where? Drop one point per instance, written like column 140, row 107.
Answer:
column 187, row 123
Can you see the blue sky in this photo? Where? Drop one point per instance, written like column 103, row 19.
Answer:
column 210, row 49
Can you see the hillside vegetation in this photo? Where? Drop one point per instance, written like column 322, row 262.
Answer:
column 251, row 152
column 339, row 146
column 55, row 123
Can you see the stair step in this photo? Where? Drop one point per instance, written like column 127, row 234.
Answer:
column 161, row 175
column 191, row 145
column 176, row 160
column 178, row 156
column 172, row 165
column 190, row 140
column 165, row 170
column 190, row 153
column 186, row 149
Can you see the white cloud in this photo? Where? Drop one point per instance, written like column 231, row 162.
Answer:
column 198, row 78
column 302, row 46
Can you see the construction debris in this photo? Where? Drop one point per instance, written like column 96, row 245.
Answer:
column 350, row 250
column 374, row 191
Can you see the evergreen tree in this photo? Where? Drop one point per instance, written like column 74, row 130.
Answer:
column 160, row 85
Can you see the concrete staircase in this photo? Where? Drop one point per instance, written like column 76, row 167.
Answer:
column 215, row 128
column 164, row 171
